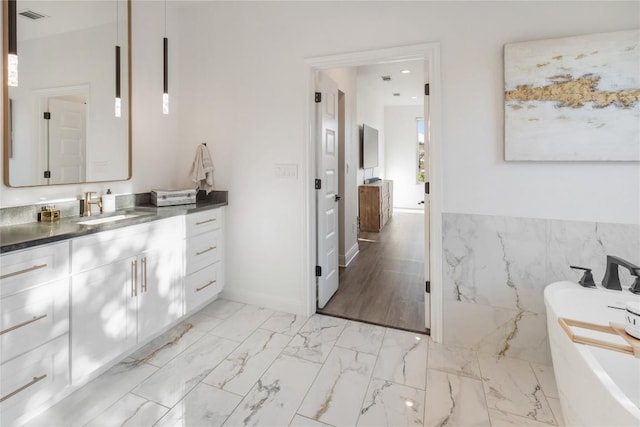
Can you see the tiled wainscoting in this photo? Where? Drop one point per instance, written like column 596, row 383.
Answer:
column 233, row 364
column 496, row 269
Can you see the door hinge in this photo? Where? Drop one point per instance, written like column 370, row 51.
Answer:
column 318, row 184
column 427, row 287
column 318, row 271
column 426, row 89
column 426, row 188
column 318, row 97
column 47, row 174
column 47, row 115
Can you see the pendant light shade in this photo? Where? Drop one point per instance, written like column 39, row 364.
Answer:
column 165, row 76
column 12, row 57
column 118, row 105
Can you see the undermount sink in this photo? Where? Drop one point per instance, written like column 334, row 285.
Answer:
column 111, row 219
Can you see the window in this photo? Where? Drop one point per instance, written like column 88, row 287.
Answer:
column 421, row 157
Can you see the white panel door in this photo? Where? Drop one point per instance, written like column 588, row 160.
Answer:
column 67, row 137
column 327, row 199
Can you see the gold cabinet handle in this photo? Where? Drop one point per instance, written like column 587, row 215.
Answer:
column 206, row 221
column 144, row 274
column 211, row 248
column 208, row 284
column 24, row 387
column 26, row 270
column 20, row 325
column 134, row 278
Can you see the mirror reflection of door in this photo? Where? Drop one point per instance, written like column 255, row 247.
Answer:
column 67, row 139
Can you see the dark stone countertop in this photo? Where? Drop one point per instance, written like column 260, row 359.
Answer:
column 23, row 236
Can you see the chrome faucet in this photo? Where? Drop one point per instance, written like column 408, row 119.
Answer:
column 611, row 280
column 88, row 201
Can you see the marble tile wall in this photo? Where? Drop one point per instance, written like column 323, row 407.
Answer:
column 495, row 270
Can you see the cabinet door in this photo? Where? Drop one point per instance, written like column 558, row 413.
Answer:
column 103, row 315
column 159, row 291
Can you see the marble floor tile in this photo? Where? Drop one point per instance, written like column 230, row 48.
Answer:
column 547, row 379
column 274, row 399
column 556, row 408
column 316, row 338
column 242, row 323
column 131, row 411
column 300, row 421
column 505, row 419
column 204, row 406
column 168, row 345
column 403, row 359
column 86, row 403
column 284, row 323
column 175, row 379
column 242, row 368
column 388, row 404
column 204, row 322
column 453, row 400
column 361, row 337
column 511, row 386
column 457, row 361
column 336, row 395
column 222, row 308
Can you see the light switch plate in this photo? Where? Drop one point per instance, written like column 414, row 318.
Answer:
column 286, row 171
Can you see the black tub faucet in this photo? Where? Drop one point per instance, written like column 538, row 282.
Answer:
column 611, row 280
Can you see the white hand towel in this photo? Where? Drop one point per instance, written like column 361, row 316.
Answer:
column 202, row 169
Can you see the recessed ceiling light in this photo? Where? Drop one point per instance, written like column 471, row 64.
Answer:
column 405, row 71
column 414, row 97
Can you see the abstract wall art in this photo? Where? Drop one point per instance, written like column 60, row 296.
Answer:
column 573, row 99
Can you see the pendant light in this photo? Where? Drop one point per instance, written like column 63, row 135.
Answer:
column 165, row 69
column 118, row 102
column 12, row 58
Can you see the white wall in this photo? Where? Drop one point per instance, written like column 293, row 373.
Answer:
column 401, row 154
column 155, row 136
column 244, row 73
column 371, row 113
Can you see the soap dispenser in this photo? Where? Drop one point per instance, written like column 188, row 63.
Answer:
column 108, row 202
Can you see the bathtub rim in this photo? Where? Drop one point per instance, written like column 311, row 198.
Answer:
column 583, row 350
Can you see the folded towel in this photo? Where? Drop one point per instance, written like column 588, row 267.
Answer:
column 202, row 169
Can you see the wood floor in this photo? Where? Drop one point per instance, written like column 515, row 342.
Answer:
column 384, row 284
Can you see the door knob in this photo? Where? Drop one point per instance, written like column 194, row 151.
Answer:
column 421, row 202
column 338, row 198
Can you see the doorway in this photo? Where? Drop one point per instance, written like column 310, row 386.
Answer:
column 430, row 54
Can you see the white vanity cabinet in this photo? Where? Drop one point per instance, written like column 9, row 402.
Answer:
column 34, row 329
column 204, row 260
column 126, row 287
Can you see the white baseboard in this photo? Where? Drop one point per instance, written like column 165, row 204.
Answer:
column 345, row 260
column 247, row 296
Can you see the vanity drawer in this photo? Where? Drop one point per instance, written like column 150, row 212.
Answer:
column 32, row 267
column 32, row 379
column 203, row 222
column 203, row 250
column 33, row 317
column 114, row 245
column 201, row 286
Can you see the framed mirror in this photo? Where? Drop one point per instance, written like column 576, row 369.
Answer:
column 60, row 123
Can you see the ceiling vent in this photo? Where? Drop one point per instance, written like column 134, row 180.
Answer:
column 396, row 94
column 31, row 14
column 386, row 78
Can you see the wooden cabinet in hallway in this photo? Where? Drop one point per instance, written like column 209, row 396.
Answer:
column 375, row 205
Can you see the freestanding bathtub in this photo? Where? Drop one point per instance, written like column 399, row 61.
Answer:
column 597, row 387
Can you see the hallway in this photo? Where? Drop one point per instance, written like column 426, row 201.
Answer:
column 384, row 284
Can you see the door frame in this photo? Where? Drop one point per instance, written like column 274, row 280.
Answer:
column 430, row 53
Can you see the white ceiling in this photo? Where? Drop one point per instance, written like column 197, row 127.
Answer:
column 407, row 85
